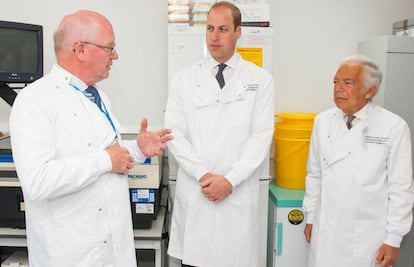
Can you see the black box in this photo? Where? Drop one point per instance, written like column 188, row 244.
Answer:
column 12, row 207
column 145, row 204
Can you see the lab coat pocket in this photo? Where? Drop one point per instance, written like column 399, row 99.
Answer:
column 368, row 237
column 241, row 109
column 370, row 165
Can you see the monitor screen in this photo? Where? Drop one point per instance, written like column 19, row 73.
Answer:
column 21, row 52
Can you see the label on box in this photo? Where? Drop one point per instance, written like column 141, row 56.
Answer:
column 144, row 208
column 142, row 195
column 146, row 175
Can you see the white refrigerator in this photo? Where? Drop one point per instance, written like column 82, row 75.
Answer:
column 395, row 57
column 186, row 46
column 287, row 246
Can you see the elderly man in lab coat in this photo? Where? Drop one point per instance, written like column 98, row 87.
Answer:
column 359, row 186
column 221, row 137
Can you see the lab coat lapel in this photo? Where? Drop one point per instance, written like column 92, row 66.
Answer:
column 344, row 142
column 209, row 92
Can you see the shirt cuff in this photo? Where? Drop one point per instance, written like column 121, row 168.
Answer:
column 199, row 172
column 309, row 218
column 393, row 240
column 135, row 152
column 233, row 178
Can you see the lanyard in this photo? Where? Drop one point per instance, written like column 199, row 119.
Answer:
column 103, row 110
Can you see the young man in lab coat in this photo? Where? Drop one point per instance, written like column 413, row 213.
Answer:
column 359, row 185
column 221, row 137
column 69, row 156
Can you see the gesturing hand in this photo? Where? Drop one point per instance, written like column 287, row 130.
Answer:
column 152, row 143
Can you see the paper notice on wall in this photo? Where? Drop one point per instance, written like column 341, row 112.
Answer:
column 252, row 54
column 255, row 12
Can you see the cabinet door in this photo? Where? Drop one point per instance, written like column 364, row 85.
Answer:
column 290, row 248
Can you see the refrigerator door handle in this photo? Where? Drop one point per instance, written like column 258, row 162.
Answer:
column 279, row 241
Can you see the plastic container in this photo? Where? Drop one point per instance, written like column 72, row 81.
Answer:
column 292, row 138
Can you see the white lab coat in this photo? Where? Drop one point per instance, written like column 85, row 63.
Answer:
column 225, row 131
column 77, row 211
column 359, row 191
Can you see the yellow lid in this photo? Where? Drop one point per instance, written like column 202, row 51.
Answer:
column 296, row 116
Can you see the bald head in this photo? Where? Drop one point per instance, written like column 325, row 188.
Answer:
column 82, row 25
column 84, row 45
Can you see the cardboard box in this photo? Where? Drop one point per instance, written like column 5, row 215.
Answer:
column 146, row 175
column 403, row 27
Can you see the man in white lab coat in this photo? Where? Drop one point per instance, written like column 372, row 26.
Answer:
column 221, row 136
column 359, row 185
column 69, row 156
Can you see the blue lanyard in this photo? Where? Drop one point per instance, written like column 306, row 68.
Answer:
column 103, row 110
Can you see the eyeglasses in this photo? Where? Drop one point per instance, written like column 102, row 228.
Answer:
column 108, row 49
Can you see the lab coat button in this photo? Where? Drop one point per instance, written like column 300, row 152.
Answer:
column 89, row 144
column 105, row 242
column 100, row 209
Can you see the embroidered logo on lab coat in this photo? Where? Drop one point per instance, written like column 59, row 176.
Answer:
column 252, row 87
column 378, row 140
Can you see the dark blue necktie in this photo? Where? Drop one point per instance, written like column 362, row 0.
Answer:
column 93, row 95
column 219, row 75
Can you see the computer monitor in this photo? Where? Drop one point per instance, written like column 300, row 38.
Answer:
column 21, row 53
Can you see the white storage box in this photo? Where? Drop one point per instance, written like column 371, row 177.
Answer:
column 17, row 259
column 146, row 175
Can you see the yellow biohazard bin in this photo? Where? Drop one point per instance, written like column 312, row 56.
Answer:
column 292, row 138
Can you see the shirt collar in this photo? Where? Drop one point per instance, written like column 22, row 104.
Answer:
column 361, row 114
column 70, row 78
column 232, row 62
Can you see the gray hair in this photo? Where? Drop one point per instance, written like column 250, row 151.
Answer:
column 372, row 73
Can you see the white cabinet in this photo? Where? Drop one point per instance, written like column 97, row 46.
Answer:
column 286, row 246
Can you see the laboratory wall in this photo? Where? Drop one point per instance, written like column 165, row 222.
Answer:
column 310, row 38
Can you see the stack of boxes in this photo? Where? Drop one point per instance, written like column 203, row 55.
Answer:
column 179, row 11
column 11, row 196
column 199, row 12
column 145, row 192
column 403, row 27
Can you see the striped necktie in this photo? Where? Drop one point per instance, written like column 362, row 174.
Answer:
column 93, row 95
column 349, row 121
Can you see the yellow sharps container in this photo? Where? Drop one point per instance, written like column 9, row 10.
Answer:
column 292, row 138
